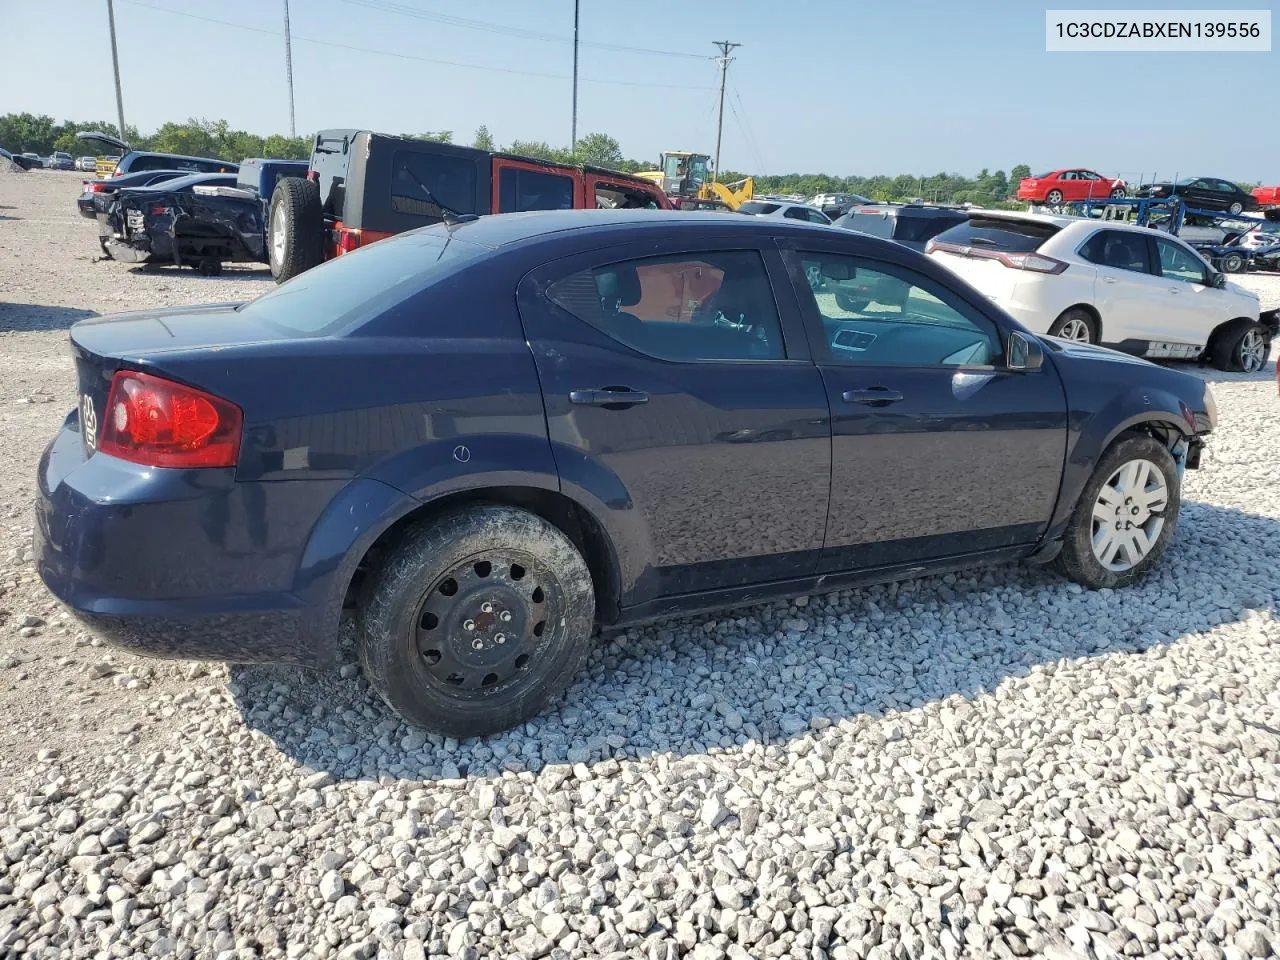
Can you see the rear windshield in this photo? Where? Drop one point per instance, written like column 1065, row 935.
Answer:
column 758, row 206
column 358, row 286
column 432, row 184
column 872, row 224
column 926, row 227
column 1012, row 236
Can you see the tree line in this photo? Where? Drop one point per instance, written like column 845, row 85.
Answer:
column 25, row 132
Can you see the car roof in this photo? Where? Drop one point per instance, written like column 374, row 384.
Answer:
column 513, row 228
column 180, row 156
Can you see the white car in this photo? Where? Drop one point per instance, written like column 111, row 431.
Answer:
column 87, row 164
column 1132, row 288
column 784, row 208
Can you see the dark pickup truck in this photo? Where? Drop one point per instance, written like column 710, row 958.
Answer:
column 202, row 221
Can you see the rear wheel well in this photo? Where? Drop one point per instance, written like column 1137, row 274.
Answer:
column 572, row 520
column 1092, row 311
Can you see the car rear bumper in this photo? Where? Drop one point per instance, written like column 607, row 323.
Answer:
column 188, row 564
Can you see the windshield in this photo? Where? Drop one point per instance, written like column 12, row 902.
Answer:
column 1186, row 181
column 758, row 206
column 355, row 287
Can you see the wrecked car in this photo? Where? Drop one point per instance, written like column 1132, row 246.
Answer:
column 202, row 221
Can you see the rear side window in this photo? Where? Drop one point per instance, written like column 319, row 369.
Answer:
column 714, row 305
column 990, row 233
column 758, row 206
column 521, row 189
column 432, row 184
column 1119, row 249
column 357, row 286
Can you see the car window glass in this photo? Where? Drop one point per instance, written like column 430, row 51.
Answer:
column 885, row 315
column 758, row 206
column 1178, row 263
column 875, row 224
column 796, row 213
column 704, row 306
column 995, row 233
column 520, row 189
column 1119, row 249
column 817, row 217
column 353, row 289
column 1068, row 175
column 432, row 184
column 1089, row 175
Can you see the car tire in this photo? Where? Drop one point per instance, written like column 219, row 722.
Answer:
column 1084, row 544
column 1236, row 208
column 1232, row 263
column 1053, row 197
column 1242, row 347
column 476, row 620
column 851, row 304
column 295, row 228
column 1118, row 193
column 1075, row 324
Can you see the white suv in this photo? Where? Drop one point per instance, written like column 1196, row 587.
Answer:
column 1131, row 288
column 784, row 208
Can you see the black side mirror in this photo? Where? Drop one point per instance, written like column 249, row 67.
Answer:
column 1219, row 280
column 1024, row 353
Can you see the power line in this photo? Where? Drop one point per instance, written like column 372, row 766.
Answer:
column 388, row 6
column 745, row 123
column 410, row 56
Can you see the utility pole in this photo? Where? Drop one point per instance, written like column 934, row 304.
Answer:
column 288, row 66
column 573, row 133
column 724, row 60
column 115, row 65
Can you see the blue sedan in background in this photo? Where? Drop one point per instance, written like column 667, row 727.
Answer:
column 487, row 437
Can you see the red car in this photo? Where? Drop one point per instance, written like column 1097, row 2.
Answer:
column 1267, row 196
column 1062, row 186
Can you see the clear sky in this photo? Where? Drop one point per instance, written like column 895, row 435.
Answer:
column 834, row 86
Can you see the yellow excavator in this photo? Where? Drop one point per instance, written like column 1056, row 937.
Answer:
column 686, row 178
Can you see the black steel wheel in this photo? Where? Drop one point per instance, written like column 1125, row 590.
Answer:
column 480, row 625
column 476, row 620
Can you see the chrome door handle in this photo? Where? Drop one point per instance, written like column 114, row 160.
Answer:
column 1175, row 289
column 1108, row 279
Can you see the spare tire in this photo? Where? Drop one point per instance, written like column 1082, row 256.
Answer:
column 295, row 228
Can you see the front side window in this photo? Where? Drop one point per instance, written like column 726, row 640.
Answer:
column 520, row 189
column 884, row 315
column 1119, row 249
column 704, row 306
column 432, row 184
column 758, row 206
column 1179, row 263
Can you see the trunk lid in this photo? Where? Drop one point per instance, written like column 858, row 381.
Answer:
column 141, row 341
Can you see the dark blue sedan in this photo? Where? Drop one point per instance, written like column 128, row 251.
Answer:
column 487, row 437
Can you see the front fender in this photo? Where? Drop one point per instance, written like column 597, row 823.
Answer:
column 1093, row 433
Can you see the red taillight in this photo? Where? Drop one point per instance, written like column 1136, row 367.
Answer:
column 159, row 211
column 1035, row 262
column 313, row 176
column 160, row 423
column 96, row 186
column 348, row 240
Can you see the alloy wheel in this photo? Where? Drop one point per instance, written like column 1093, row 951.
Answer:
column 1128, row 515
column 277, row 235
column 1253, row 351
column 1053, row 198
column 480, row 625
column 1075, row 329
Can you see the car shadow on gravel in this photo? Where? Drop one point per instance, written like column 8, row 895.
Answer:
column 38, row 316
column 686, row 686
column 238, row 272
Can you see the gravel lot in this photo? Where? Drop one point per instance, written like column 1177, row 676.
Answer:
column 988, row 765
